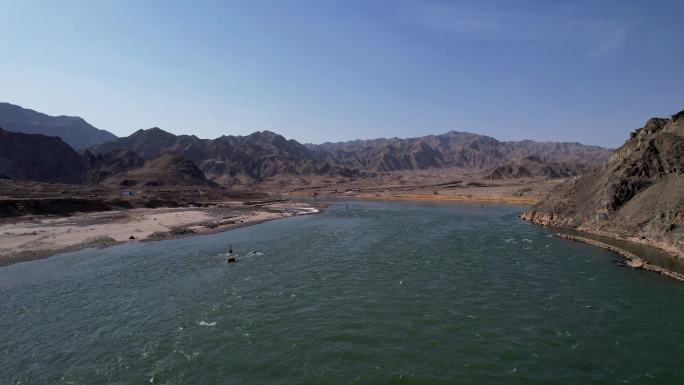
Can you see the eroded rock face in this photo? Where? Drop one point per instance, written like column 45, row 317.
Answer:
column 639, row 193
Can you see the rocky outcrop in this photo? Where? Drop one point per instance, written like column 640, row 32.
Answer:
column 73, row 130
column 637, row 194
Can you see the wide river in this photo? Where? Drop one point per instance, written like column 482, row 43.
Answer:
column 380, row 293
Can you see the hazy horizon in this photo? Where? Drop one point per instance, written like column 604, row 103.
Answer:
column 318, row 72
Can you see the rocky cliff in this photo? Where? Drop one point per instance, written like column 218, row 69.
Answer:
column 637, row 194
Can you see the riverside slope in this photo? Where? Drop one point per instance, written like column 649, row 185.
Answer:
column 637, row 195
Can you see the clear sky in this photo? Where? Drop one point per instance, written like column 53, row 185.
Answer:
column 319, row 70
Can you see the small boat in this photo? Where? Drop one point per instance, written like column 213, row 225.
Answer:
column 231, row 256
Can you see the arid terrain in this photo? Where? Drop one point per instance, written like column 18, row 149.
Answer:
column 637, row 195
column 65, row 185
column 153, row 183
column 36, row 237
column 437, row 185
column 40, row 219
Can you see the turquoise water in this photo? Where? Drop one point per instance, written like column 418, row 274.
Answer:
column 380, row 293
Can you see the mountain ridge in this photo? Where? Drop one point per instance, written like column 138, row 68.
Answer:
column 264, row 154
column 41, row 158
column 259, row 156
column 73, row 130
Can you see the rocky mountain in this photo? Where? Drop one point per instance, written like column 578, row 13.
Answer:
column 151, row 143
column 533, row 166
column 166, row 170
column 227, row 158
column 39, row 158
column 638, row 193
column 73, row 130
column 262, row 155
column 265, row 154
column 461, row 150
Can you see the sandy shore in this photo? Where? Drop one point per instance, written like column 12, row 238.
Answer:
column 26, row 238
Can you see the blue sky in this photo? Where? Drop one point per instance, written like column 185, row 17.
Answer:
column 587, row 71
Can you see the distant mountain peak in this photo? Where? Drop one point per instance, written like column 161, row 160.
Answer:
column 265, row 135
column 74, row 130
column 152, row 130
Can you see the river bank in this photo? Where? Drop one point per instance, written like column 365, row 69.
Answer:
column 523, row 201
column 30, row 238
column 631, row 259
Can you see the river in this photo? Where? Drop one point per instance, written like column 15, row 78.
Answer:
column 377, row 293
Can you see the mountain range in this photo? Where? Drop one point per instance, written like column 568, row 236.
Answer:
column 230, row 159
column 265, row 154
column 461, row 150
column 41, row 158
column 226, row 159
